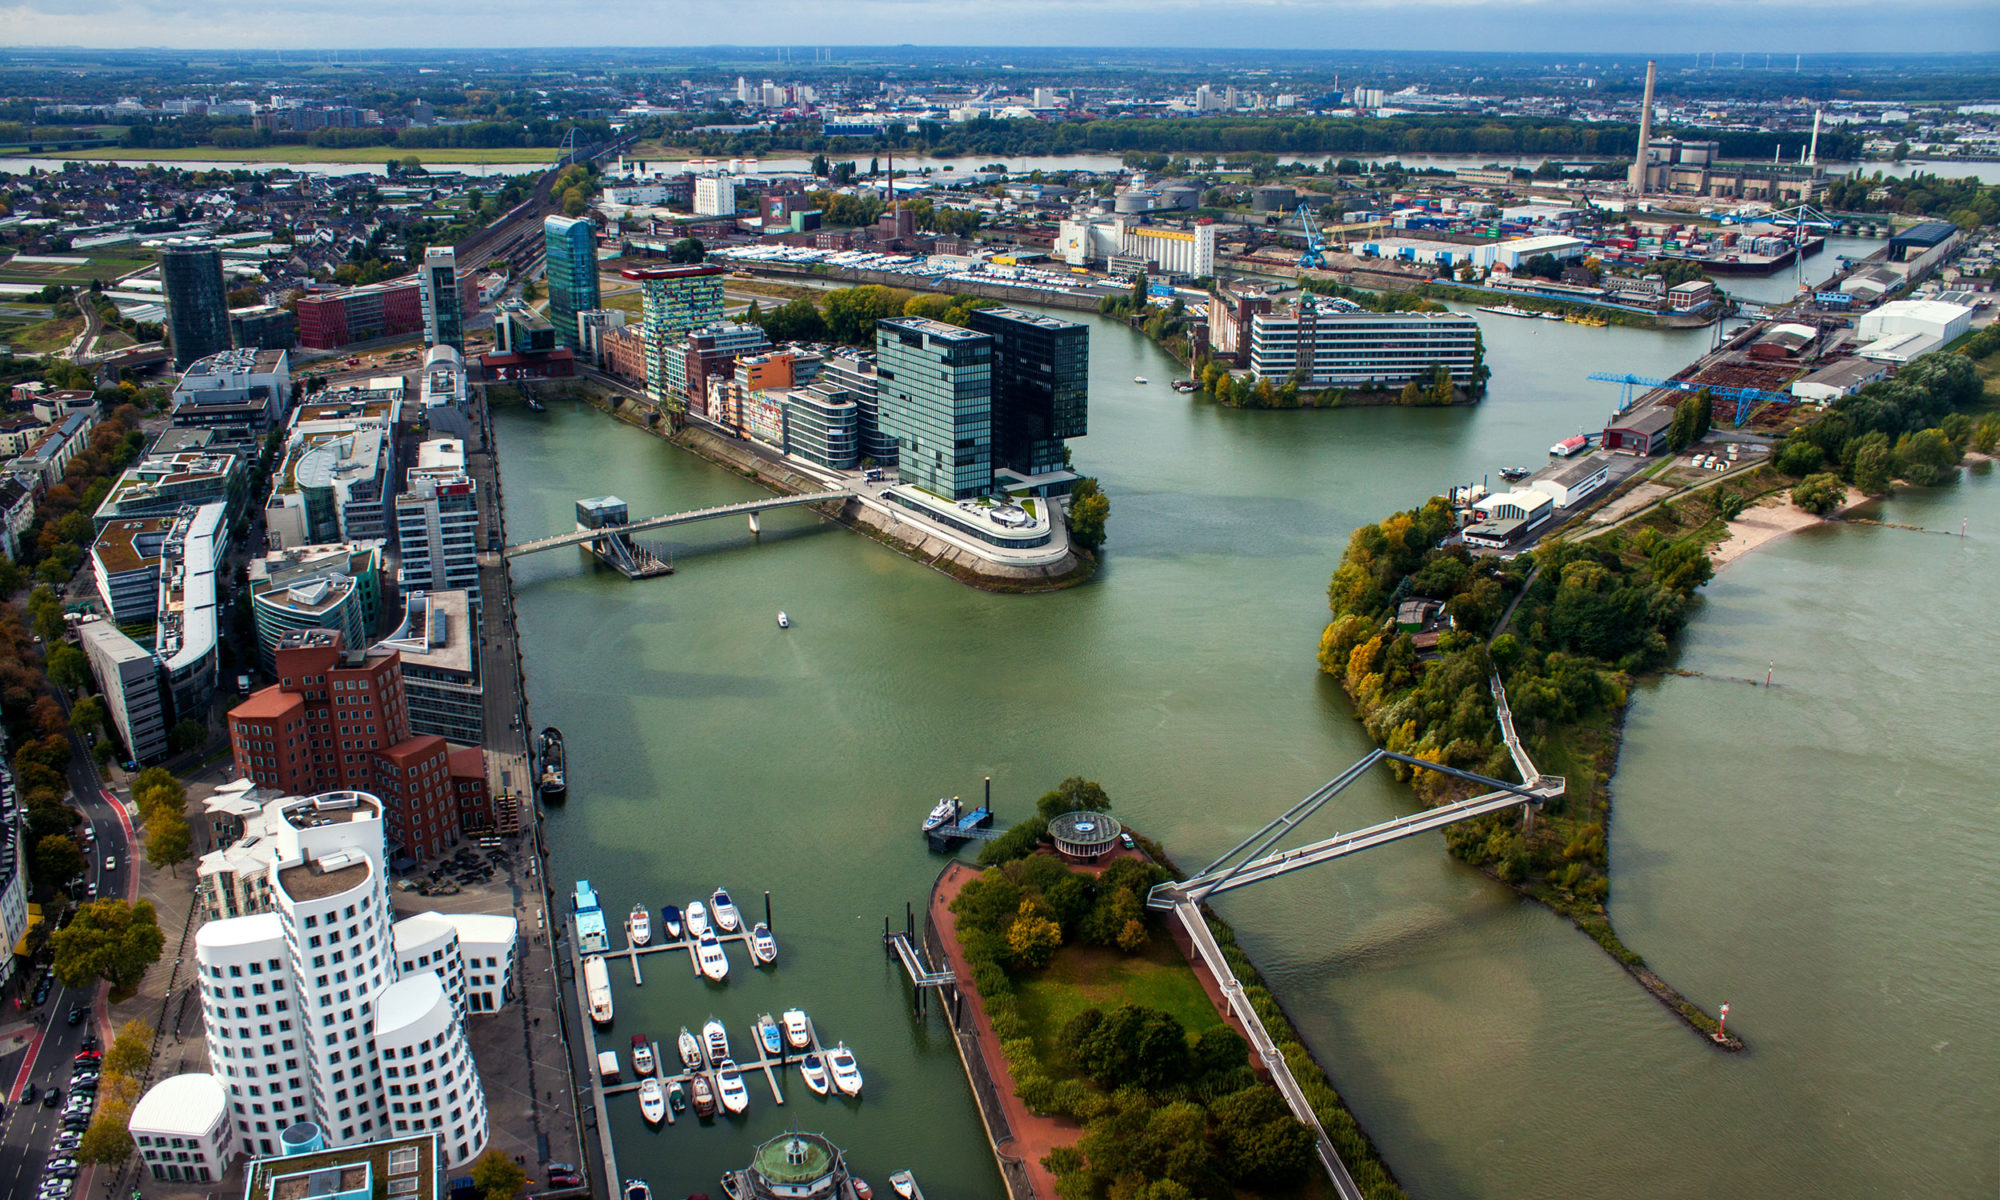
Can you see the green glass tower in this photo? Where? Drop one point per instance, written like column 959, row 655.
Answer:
column 570, row 249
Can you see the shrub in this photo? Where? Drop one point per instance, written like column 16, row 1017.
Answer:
column 1819, row 494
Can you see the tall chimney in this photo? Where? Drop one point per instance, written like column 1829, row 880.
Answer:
column 1812, row 156
column 1638, row 181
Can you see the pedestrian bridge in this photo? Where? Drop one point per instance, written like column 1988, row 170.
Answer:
column 746, row 507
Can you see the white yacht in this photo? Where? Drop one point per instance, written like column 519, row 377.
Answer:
column 690, row 1048
column 813, row 1070
column 763, row 947
column 727, row 919
column 638, row 926
column 715, row 1039
column 714, row 963
column 945, row 812
column 729, row 1086
column 784, row 622
column 652, row 1101
column 846, row 1072
column 642, row 1055
column 798, row 1034
column 697, row 920
column 670, row 920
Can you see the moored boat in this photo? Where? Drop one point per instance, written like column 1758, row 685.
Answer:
column 597, row 988
column 905, row 1184
column 553, row 776
column 702, row 1096
column 767, row 1034
column 729, row 1086
column 715, row 1040
column 652, row 1101
column 861, row 1189
column 677, row 1100
column 763, row 947
column 798, row 1034
column 1138, row 379
column 784, row 622
column 638, row 926
column 727, row 919
column 1512, row 473
column 697, row 919
column 690, row 1048
column 670, row 921
column 642, row 1055
column 846, row 1072
column 713, row 963
column 813, row 1069
column 637, row 1189
column 1548, row 316
column 942, row 814
column 1505, row 310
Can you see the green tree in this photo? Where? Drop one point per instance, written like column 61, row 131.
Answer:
column 687, row 250
column 1075, row 794
column 1819, row 494
column 497, row 1176
column 67, row 666
column 1264, row 1147
column 1089, row 510
column 106, row 1141
column 169, row 842
column 1874, row 465
column 131, row 1051
column 1018, row 842
column 1033, row 939
column 187, row 734
column 1925, row 458
column 57, row 860
column 109, row 940
column 88, row 715
column 1704, row 413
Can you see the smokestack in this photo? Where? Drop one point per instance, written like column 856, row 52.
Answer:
column 1812, row 158
column 1638, row 181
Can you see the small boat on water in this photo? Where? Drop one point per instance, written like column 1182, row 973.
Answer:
column 637, row 1189
column 1505, row 310
column 597, row 988
column 553, row 778
column 670, row 921
column 798, row 1034
column 1185, row 385
column 652, row 1101
column 697, row 920
column 713, row 962
column 1138, row 379
column 702, row 1096
column 767, row 1033
column 784, row 622
column 1548, row 316
column 715, row 1040
column 677, row 1100
column 763, row 947
column 944, row 813
column 727, row 919
column 905, row 1185
column 1512, row 473
column 690, row 1048
column 846, row 1072
column 813, row 1068
column 642, row 1055
column 729, row 1085
column 861, row 1189
column 638, row 925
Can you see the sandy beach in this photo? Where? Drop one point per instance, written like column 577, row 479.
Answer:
column 1770, row 519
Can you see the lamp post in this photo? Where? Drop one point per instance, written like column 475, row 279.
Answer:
column 1721, row 1024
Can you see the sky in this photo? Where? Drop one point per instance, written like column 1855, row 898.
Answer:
column 1776, row 27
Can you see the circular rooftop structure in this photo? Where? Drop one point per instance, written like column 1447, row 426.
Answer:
column 796, row 1166
column 1085, row 835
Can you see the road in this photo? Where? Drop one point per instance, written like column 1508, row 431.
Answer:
column 25, row 1132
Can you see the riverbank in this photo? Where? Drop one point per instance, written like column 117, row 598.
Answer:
column 279, row 155
column 903, row 536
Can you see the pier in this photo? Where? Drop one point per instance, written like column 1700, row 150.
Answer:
column 901, row 945
column 749, row 508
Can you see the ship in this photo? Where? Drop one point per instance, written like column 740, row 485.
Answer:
column 597, row 988
column 554, row 775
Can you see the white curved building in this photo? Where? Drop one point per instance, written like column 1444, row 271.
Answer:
column 182, row 1128
column 432, row 1085
column 308, row 1006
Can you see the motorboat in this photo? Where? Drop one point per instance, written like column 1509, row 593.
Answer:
column 670, row 921
column 597, row 988
column 727, row 919
column 813, row 1069
column 798, row 1034
column 784, row 622
column 729, row 1085
column 767, row 1033
column 1548, row 316
column 553, row 778
column 861, row 1189
column 715, row 1040
column 846, row 1072
column 697, row 920
column 1512, row 473
column 763, row 947
column 642, row 1055
column 638, row 926
column 713, row 962
column 637, row 1189
column 677, row 1100
column 942, row 814
column 1138, row 379
column 702, row 1096
column 652, row 1101
column 690, row 1048
column 905, row 1185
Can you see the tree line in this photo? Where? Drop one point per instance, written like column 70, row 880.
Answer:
column 1912, row 426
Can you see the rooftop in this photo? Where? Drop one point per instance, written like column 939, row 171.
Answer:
column 312, row 880
column 130, row 545
column 184, row 1105
column 389, row 1160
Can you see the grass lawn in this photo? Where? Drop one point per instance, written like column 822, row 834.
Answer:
column 1989, row 371
column 376, row 155
column 47, row 336
column 107, row 269
column 631, row 302
column 1085, row 976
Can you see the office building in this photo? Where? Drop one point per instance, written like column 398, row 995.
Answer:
column 437, row 642
column 520, row 330
column 334, row 320
column 675, row 301
column 41, row 465
column 263, row 327
column 715, row 196
column 444, row 379
column 182, row 1130
column 437, row 522
column 592, row 327
column 570, row 251
column 339, row 718
column 197, row 301
column 308, row 1012
column 1321, row 343
column 163, row 482
column 125, row 565
column 936, row 392
column 443, row 299
column 337, row 479
column 128, row 679
column 250, row 388
column 14, row 916
column 406, row 1168
column 823, row 428
column 1041, row 394
column 336, row 586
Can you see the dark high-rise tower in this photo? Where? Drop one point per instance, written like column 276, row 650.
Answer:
column 1041, row 387
column 197, row 302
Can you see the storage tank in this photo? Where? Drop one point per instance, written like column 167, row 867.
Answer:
column 1181, row 197
column 1272, row 199
column 1135, row 202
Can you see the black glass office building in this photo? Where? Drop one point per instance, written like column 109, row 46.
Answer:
column 1041, row 387
column 570, row 250
column 444, row 307
column 934, row 388
column 197, row 302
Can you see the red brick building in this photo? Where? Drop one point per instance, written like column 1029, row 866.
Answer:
column 339, row 719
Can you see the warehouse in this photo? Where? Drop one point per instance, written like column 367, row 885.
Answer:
column 1641, row 431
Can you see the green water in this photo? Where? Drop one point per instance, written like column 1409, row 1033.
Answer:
column 1490, row 1049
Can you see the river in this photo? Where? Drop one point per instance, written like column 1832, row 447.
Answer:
column 706, row 747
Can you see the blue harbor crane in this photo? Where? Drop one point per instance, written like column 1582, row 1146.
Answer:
column 1315, row 255
column 1743, row 402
